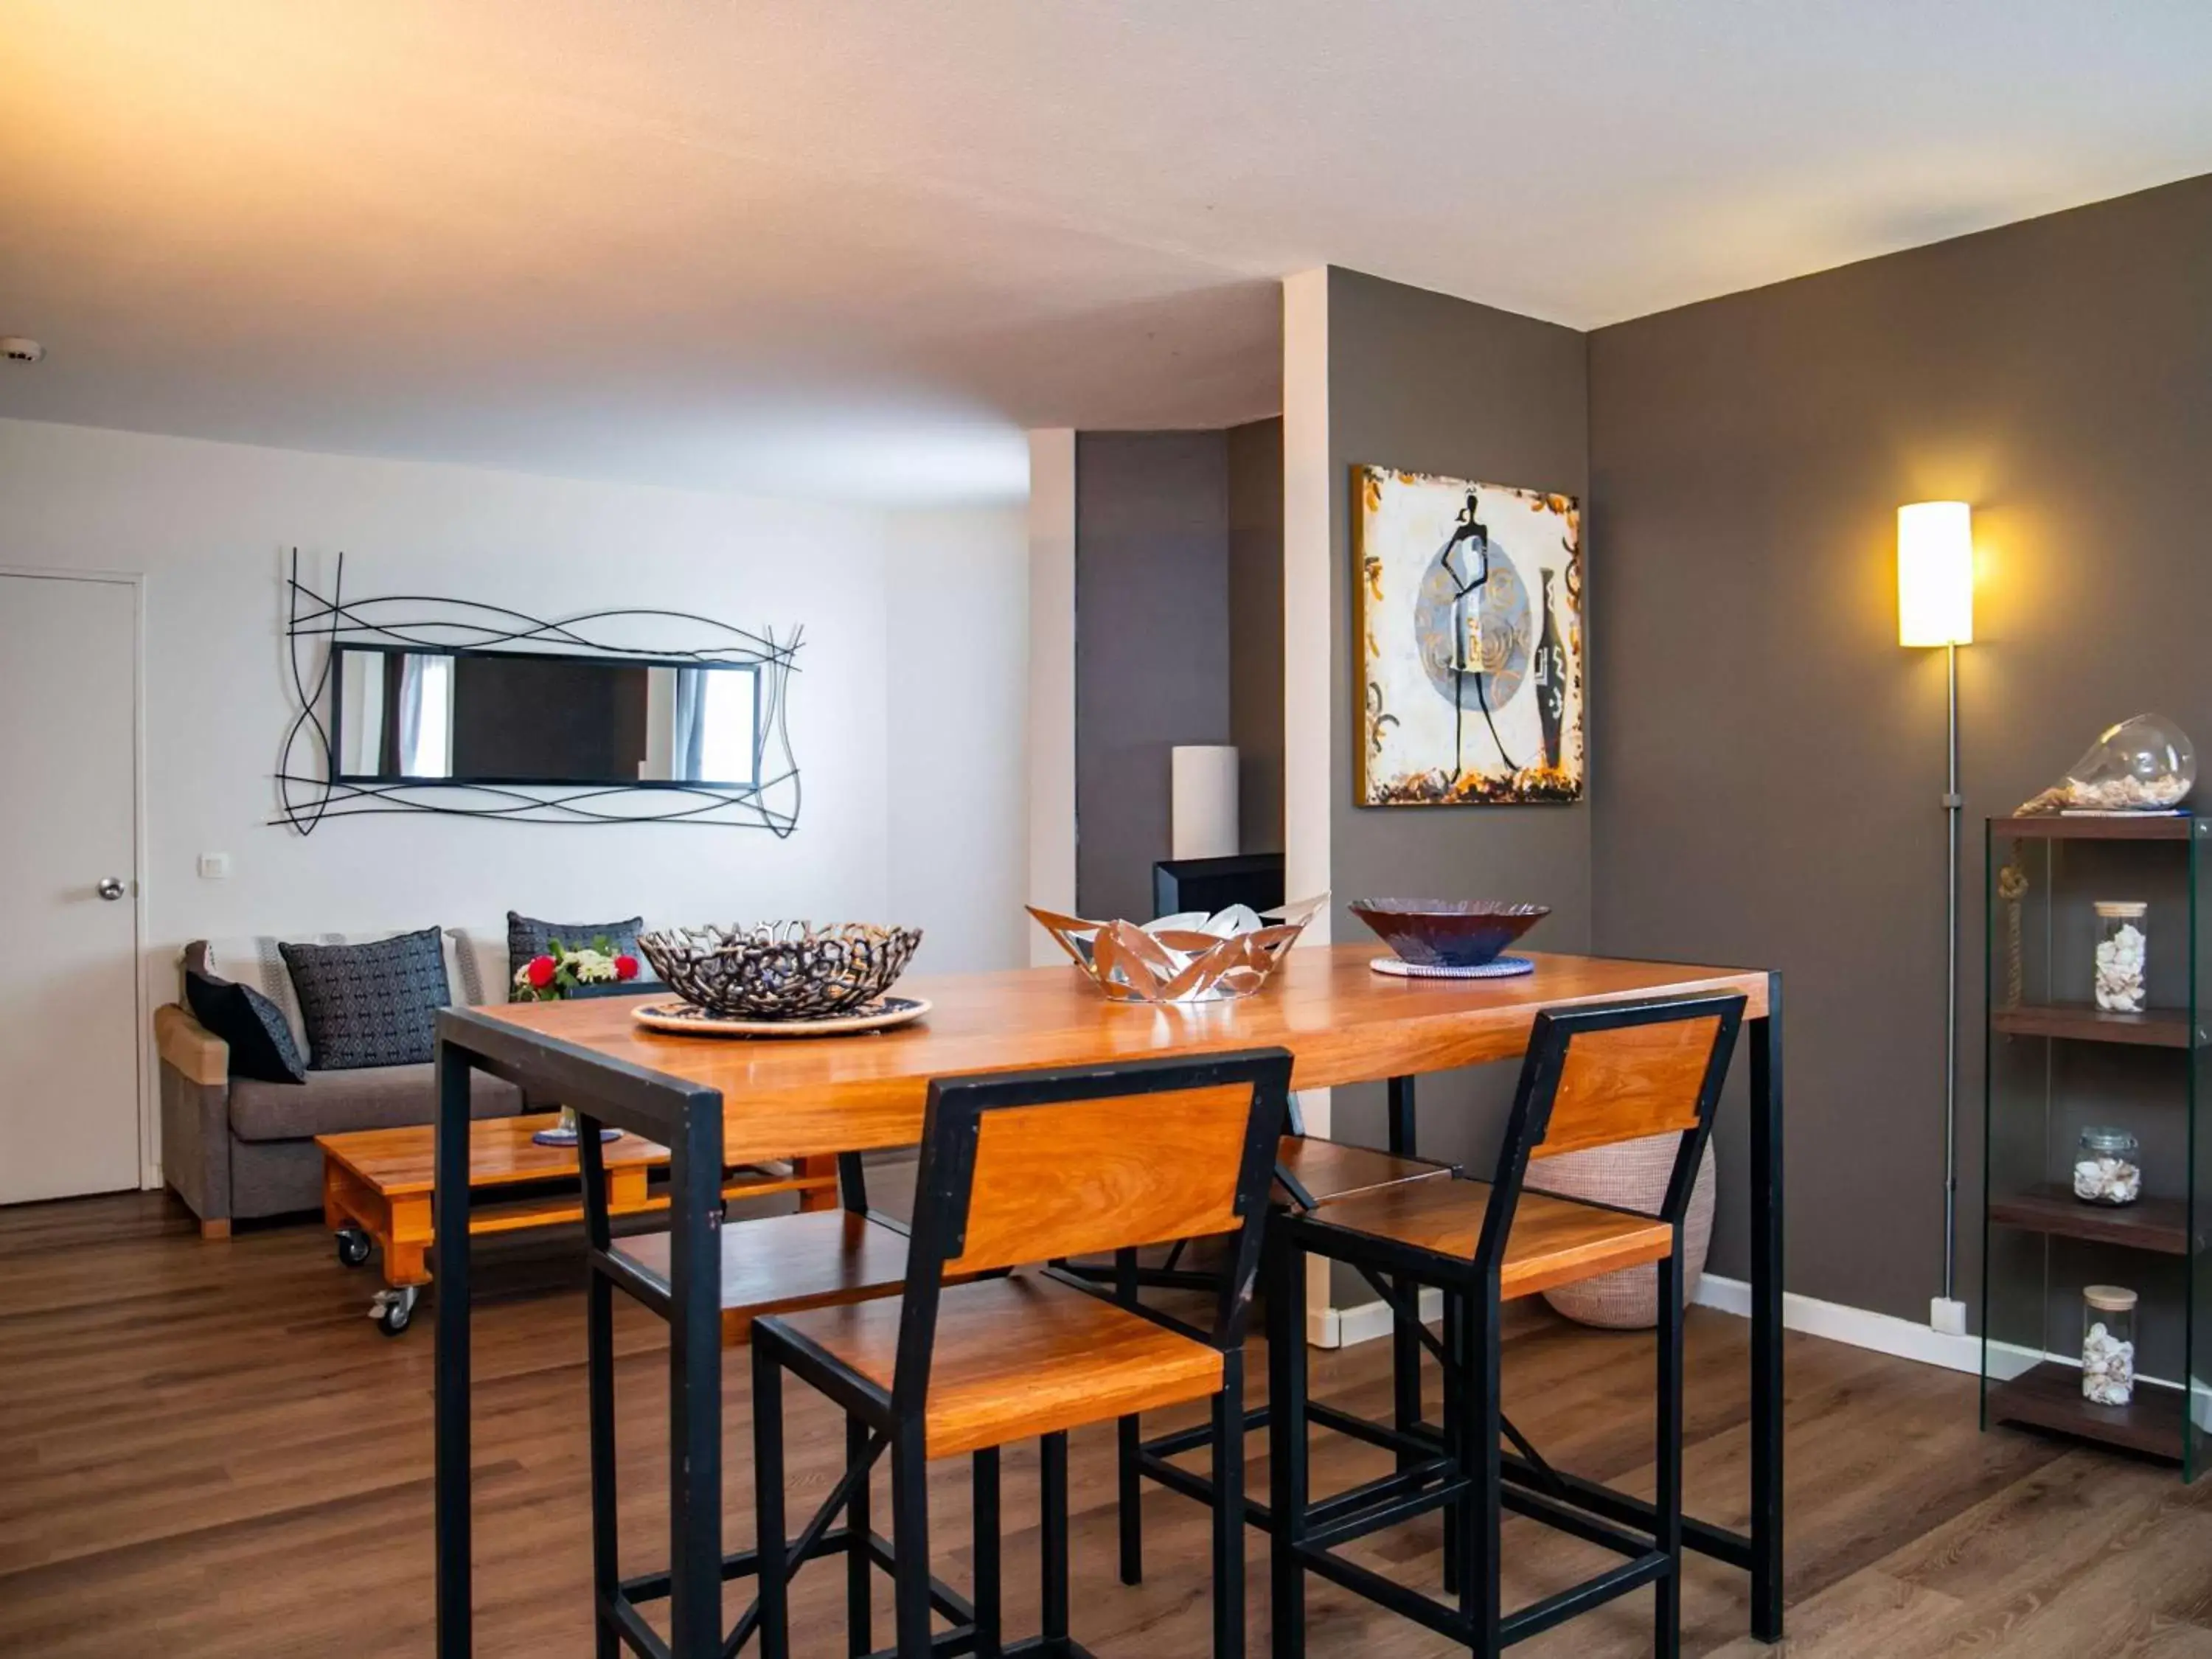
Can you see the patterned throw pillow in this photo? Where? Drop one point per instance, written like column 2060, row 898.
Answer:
column 370, row 1004
column 260, row 1041
column 528, row 937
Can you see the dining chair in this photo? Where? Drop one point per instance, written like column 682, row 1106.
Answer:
column 1016, row 1170
column 1593, row 1076
column 769, row 1264
column 1311, row 1171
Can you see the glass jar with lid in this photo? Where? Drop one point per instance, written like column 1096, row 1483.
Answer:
column 2107, row 1167
column 2108, row 1345
column 2118, row 986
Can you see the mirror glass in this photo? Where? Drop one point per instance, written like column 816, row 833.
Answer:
column 535, row 718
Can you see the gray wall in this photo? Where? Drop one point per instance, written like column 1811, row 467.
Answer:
column 1152, row 618
column 1770, row 761
column 1255, row 631
column 1431, row 384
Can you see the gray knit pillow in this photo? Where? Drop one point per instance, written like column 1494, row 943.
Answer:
column 369, row 1004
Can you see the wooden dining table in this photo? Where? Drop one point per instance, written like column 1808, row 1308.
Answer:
column 714, row 1101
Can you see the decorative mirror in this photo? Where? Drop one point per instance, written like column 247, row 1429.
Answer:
column 402, row 715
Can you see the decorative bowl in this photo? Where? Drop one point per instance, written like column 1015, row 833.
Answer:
column 1189, row 956
column 1448, row 932
column 779, row 969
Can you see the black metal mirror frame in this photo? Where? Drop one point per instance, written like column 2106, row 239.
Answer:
column 315, row 626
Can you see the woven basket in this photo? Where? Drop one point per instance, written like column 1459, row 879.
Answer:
column 1632, row 1174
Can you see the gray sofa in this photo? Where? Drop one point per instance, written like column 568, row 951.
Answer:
column 240, row 1150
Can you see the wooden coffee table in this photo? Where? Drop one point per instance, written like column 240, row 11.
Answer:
column 377, row 1185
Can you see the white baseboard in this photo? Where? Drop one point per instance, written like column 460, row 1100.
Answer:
column 1856, row 1327
column 1336, row 1327
column 1339, row 1327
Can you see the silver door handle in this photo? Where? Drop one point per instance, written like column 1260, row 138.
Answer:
column 110, row 888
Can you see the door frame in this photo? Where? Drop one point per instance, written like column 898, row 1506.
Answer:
column 149, row 1119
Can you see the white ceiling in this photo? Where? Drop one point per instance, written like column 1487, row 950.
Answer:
column 851, row 248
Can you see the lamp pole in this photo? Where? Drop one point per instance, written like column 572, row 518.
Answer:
column 1954, row 804
column 1936, row 606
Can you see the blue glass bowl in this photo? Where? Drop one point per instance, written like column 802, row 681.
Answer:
column 1448, row 932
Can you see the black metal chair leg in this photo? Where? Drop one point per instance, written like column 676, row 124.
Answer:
column 606, row 1570
column 768, row 1504
column 1481, row 1593
column 1052, row 1505
column 859, row 1590
column 1667, row 1496
column 909, row 1538
column 1128, row 1501
column 1229, row 1509
column 985, row 1476
column 1287, row 1449
column 1456, row 1514
column 1405, row 1339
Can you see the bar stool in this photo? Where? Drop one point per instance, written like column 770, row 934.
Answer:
column 1309, row 1172
column 772, row 1264
column 1593, row 1076
column 1016, row 1169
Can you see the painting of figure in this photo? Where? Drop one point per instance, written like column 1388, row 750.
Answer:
column 1470, row 626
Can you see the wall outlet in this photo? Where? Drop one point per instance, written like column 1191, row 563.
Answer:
column 214, row 866
column 1946, row 1317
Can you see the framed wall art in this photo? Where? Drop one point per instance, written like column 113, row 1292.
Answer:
column 1470, row 629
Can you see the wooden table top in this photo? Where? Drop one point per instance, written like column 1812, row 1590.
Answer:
column 400, row 1161
column 785, row 1098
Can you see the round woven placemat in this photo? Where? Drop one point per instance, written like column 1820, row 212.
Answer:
column 1500, row 968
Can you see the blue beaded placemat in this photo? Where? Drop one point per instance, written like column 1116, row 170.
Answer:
column 1499, row 968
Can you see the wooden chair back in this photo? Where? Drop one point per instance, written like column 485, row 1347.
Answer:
column 1036, row 1166
column 1624, row 1082
column 1598, row 1075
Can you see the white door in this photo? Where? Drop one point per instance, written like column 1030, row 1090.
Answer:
column 68, row 951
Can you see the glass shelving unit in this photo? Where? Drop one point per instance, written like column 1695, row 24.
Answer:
column 2057, row 1063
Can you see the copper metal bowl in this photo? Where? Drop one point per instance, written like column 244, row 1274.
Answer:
column 1448, row 932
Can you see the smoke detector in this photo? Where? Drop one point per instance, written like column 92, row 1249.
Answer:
column 17, row 349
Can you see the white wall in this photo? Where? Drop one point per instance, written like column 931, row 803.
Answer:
column 956, row 591
column 209, row 525
column 1051, row 531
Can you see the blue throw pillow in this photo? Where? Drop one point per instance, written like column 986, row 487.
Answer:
column 261, row 1046
column 370, row 1004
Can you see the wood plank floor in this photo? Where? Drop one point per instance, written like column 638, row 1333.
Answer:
column 205, row 1450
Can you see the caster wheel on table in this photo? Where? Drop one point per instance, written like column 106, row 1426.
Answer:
column 394, row 1311
column 353, row 1246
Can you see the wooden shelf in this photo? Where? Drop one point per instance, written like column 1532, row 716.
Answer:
column 2049, row 1397
column 2056, row 827
column 2083, row 1021
column 2158, row 1225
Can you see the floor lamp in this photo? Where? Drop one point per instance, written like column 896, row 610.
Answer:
column 1936, row 606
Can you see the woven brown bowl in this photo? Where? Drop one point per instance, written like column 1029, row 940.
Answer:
column 780, row 970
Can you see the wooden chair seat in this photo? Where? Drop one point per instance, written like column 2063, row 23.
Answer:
column 1329, row 1170
column 783, row 1263
column 1555, row 1241
column 1020, row 1357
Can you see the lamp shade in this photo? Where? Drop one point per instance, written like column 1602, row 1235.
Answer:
column 1935, row 574
column 1202, row 800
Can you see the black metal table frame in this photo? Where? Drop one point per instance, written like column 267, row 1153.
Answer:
column 687, row 1118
